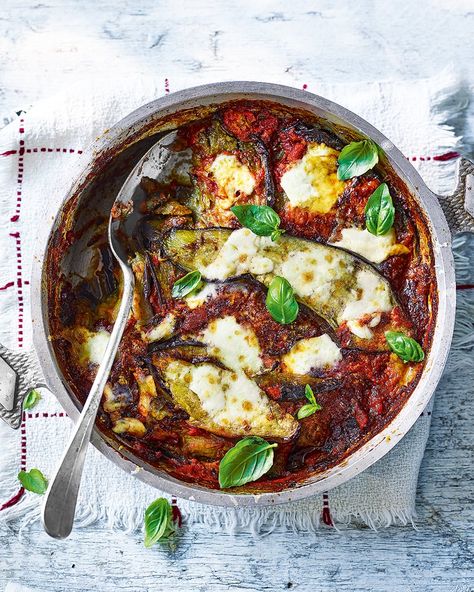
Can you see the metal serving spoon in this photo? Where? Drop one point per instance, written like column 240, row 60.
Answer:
column 158, row 163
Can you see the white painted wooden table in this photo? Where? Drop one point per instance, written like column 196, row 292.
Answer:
column 44, row 46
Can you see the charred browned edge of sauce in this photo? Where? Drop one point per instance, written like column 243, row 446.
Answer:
column 64, row 236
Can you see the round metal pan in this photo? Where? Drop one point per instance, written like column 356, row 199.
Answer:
column 110, row 158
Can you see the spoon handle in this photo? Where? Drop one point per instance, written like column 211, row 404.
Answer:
column 60, row 503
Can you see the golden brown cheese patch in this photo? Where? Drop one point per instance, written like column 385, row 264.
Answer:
column 311, row 183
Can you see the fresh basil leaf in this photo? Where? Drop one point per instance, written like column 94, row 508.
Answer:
column 158, row 521
column 405, row 347
column 31, row 399
column 308, row 392
column 379, row 211
column 356, row 159
column 281, row 302
column 33, row 480
column 310, row 408
column 306, row 411
column 261, row 220
column 186, row 284
column 247, row 461
column 275, row 235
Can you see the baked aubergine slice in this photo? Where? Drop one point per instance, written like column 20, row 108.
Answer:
column 346, row 291
column 224, row 402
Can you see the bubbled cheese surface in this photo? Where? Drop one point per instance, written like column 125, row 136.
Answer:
column 234, row 345
column 230, row 399
column 313, row 273
column 311, row 183
column 96, row 346
column 371, row 295
column 312, row 354
column 232, row 177
column 239, row 254
column 91, row 346
column 198, row 298
column 318, row 274
column 163, row 330
column 373, row 248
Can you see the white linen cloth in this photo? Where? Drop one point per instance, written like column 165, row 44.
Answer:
column 36, row 152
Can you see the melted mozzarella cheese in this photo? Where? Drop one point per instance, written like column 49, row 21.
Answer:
column 163, row 330
column 371, row 295
column 313, row 272
column 312, row 182
column 360, row 330
column 364, row 330
column 312, row 354
column 234, row 345
column 194, row 300
column 236, row 255
column 232, row 177
column 260, row 265
column 373, row 248
column 230, row 399
column 93, row 346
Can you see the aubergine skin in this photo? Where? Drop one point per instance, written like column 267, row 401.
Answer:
column 316, row 134
column 292, row 387
column 194, row 248
column 199, row 248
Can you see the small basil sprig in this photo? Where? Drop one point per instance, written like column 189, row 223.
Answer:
column 33, row 480
column 379, row 211
column 405, row 347
column 281, row 302
column 159, row 522
column 31, row 399
column 310, row 407
column 356, row 159
column 186, row 284
column 261, row 220
column 247, row 461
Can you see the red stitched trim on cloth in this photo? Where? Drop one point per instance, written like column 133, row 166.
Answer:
column 19, row 283
column 63, row 150
column 19, row 179
column 13, row 500
column 176, row 512
column 9, row 285
column 437, row 157
column 326, row 513
column 44, row 414
column 44, row 149
column 19, row 494
column 447, row 156
column 465, row 287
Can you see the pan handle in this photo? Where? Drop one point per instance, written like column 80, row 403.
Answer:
column 459, row 207
column 20, row 371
